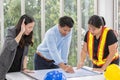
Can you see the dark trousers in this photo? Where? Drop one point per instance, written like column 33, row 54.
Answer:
column 40, row 63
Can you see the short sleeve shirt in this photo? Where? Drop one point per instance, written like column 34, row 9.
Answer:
column 111, row 39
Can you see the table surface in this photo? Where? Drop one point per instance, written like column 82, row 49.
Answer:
column 39, row 75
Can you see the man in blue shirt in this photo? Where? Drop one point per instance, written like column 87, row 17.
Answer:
column 54, row 49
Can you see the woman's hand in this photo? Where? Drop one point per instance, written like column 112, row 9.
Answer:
column 23, row 26
column 27, row 70
column 98, row 69
column 80, row 65
column 18, row 37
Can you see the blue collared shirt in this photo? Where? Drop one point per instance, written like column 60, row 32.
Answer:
column 55, row 46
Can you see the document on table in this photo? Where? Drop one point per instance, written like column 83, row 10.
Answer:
column 39, row 75
column 81, row 73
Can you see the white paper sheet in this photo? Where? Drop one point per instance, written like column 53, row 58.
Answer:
column 39, row 75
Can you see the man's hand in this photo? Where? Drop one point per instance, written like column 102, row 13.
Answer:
column 69, row 69
column 66, row 68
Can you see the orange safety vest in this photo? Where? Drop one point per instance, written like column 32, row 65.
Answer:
column 100, row 52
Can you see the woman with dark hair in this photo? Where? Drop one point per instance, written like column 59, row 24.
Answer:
column 100, row 43
column 13, row 57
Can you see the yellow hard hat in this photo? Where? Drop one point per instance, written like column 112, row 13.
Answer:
column 112, row 72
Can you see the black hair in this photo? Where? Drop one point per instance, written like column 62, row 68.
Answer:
column 103, row 21
column 26, row 39
column 66, row 21
column 97, row 21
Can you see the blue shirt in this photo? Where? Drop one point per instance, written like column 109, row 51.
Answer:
column 55, row 46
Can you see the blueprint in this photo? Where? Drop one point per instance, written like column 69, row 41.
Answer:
column 39, row 74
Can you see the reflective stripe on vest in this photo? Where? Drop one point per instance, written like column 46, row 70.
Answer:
column 100, row 51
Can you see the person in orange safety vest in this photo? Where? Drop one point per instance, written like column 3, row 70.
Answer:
column 100, row 43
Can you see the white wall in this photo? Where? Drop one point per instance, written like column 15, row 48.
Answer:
column 106, row 9
column 1, row 24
